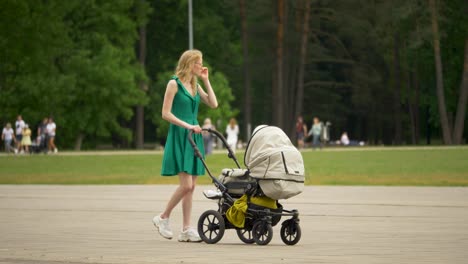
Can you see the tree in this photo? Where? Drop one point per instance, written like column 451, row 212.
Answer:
column 75, row 61
column 247, row 88
column 302, row 60
column 278, row 86
column 446, row 131
column 463, row 95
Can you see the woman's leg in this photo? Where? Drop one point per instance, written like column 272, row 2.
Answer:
column 52, row 142
column 187, row 204
column 49, row 145
column 185, row 186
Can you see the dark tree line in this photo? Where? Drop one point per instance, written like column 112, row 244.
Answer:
column 392, row 72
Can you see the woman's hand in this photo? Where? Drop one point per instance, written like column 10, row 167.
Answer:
column 196, row 129
column 204, row 73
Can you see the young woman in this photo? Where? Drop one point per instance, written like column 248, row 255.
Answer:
column 180, row 108
column 232, row 132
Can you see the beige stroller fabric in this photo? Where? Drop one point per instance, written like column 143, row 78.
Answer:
column 272, row 158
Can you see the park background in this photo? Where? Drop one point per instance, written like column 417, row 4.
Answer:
column 391, row 73
column 387, row 72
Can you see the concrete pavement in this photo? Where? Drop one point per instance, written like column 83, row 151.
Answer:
column 112, row 224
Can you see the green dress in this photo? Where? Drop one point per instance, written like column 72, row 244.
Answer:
column 179, row 155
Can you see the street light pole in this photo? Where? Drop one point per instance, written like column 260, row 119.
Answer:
column 190, row 24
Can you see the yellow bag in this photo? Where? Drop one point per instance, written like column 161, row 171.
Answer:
column 236, row 213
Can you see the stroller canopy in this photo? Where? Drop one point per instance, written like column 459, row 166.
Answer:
column 272, row 158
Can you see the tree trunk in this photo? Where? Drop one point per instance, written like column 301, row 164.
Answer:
column 247, row 88
column 416, row 105
column 278, row 100
column 302, row 60
column 79, row 141
column 397, row 89
column 140, row 121
column 440, row 80
column 410, row 105
column 462, row 98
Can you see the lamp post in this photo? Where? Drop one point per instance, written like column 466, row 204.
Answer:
column 190, row 24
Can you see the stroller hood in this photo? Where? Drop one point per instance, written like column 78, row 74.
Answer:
column 272, row 158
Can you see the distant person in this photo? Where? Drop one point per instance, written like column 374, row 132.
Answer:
column 50, row 128
column 208, row 138
column 42, row 139
column 316, row 131
column 180, row 109
column 26, row 141
column 232, row 132
column 19, row 125
column 344, row 139
column 8, row 137
column 301, row 131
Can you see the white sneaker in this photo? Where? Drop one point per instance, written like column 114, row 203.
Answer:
column 210, row 194
column 163, row 226
column 55, row 150
column 189, row 235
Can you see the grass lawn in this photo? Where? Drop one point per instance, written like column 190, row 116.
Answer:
column 368, row 166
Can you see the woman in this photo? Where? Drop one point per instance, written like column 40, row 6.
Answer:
column 50, row 129
column 232, row 131
column 301, row 131
column 180, row 109
column 316, row 132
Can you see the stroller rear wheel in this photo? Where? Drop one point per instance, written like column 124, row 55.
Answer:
column 211, row 226
column 262, row 233
column 245, row 236
column 290, row 232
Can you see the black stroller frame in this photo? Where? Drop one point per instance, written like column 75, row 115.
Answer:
column 259, row 220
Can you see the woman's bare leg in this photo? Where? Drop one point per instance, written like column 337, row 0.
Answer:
column 185, row 187
column 187, row 204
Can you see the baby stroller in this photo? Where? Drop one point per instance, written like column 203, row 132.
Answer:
column 248, row 198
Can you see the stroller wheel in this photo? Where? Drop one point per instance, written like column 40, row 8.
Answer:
column 290, row 232
column 245, row 236
column 211, row 226
column 262, row 233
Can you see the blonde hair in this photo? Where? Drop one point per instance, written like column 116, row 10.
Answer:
column 232, row 122
column 185, row 65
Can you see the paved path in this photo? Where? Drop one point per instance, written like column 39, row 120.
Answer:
column 112, row 224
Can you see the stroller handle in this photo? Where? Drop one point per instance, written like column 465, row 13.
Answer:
column 198, row 154
column 231, row 154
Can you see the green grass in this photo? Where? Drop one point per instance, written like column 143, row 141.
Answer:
column 394, row 166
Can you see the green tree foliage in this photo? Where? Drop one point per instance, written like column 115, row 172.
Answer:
column 73, row 60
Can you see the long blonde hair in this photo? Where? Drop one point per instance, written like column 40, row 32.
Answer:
column 185, row 65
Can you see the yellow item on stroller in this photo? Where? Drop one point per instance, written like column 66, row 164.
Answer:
column 236, row 213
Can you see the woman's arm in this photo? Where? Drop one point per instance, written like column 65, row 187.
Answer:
column 167, row 115
column 208, row 97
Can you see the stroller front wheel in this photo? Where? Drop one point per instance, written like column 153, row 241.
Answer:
column 262, row 233
column 290, row 232
column 245, row 236
column 211, row 226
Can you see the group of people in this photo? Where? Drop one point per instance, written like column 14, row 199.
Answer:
column 19, row 140
column 316, row 132
column 320, row 134
column 232, row 135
